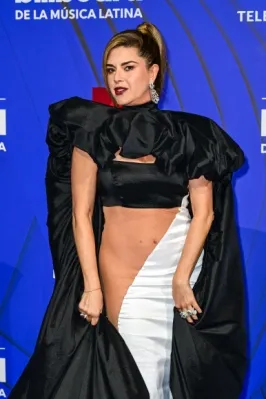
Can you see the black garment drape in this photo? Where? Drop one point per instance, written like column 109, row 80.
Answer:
column 75, row 360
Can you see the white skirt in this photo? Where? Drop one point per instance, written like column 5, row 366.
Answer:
column 146, row 316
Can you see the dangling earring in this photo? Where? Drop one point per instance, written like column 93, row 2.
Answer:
column 154, row 95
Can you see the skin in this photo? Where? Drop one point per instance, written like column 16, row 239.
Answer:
column 127, row 69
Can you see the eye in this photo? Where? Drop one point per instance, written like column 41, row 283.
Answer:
column 109, row 70
column 129, row 68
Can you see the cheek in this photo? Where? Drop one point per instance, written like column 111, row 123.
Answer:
column 108, row 80
column 141, row 81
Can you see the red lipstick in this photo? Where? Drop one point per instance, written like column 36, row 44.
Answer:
column 120, row 90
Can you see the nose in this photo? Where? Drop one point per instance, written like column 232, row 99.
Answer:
column 118, row 76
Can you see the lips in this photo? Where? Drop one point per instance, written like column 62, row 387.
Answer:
column 120, row 90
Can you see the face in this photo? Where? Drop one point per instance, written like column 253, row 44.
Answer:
column 128, row 76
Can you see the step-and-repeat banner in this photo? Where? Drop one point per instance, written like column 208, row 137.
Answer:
column 50, row 50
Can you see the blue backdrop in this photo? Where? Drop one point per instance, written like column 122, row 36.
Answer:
column 51, row 50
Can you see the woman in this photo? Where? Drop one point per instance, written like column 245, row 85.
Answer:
column 146, row 227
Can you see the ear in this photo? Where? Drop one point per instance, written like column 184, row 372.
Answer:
column 154, row 69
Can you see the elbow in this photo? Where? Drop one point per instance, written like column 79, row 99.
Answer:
column 205, row 219
column 210, row 219
column 81, row 220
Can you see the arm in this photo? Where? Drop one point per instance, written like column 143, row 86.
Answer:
column 201, row 196
column 83, row 184
column 202, row 207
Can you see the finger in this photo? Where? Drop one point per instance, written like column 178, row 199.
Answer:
column 94, row 314
column 196, row 306
column 189, row 319
column 192, row 310
column 94, row 321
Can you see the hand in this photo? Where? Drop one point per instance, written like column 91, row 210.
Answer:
column 184, row 298
column 91, row 305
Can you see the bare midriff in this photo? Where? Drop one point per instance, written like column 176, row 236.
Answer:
column 129, row 237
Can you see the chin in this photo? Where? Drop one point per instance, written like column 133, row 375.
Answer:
column 122, row 101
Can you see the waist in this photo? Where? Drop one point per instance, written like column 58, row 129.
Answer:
column 135, row 233
column 131, row 227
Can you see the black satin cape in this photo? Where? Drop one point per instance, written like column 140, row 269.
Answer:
column 72, row 359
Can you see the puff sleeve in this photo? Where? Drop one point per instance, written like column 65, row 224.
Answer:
column 75, row 122
column 210, row 151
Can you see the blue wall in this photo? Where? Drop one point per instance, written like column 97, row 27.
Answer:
column 217, row 52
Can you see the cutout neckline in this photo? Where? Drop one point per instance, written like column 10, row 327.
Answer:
column 133, row 163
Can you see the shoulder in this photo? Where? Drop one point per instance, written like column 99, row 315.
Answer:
column 78, row 110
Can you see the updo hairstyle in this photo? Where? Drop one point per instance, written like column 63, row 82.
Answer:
column 149, row 42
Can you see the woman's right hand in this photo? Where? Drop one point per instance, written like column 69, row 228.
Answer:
column 91, row 305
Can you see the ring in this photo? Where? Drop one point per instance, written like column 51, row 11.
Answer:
column 83, row 315
column 184, row 314
column 192, row 312
column 187, row 313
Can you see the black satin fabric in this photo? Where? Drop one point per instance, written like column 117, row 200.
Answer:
column 73, row 359
column 138, row 185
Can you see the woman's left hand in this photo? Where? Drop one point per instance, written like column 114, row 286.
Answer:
column 184, row 298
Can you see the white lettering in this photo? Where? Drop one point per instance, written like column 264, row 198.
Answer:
column 40, row 15
column 252, row 16
column 260, row 16
column 263, row 123
column 241, row 15
column 2, row 122
column 55, row 14
column 2, row 394
column 22, row 14
column 263, row 148
column 2, row 148
column 73, row 14
column 138, row 13
column 2, row 370
column 115, row 13
column 44, row 1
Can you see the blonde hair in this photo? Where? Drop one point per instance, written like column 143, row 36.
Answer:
column 150, row 44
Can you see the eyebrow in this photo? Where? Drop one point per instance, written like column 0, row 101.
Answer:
column 123, row 63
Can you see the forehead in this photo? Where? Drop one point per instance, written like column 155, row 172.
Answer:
column 124, row 54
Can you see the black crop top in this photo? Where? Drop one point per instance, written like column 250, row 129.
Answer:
column 185, row 146
column 139, row 185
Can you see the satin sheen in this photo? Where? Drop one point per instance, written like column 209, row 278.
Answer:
column 146, row 316
column 75, row 360
column 138, row 185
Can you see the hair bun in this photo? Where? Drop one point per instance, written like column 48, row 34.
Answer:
column 146, row 28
